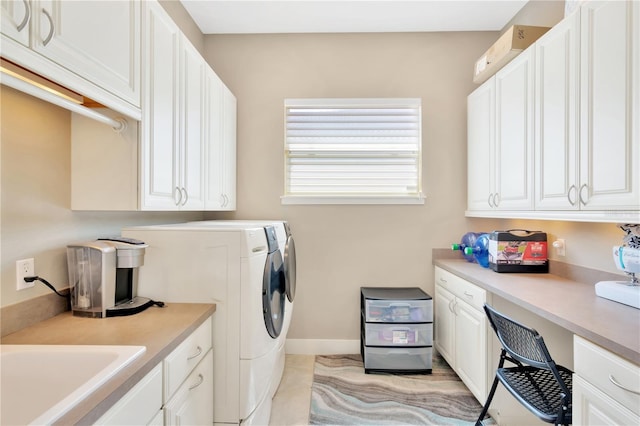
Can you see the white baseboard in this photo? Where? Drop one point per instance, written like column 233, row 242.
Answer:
column 321, row 347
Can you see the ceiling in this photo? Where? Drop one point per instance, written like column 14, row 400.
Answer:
column 328, row 16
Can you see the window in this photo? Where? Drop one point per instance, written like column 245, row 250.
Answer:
column 353, row 151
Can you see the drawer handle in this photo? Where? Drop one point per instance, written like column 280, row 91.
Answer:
column 466, row 293
column 201, row 379
column 198, row 352
column 615, row 382
column 442, row 280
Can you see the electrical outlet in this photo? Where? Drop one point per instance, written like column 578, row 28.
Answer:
column 560, row 247
column 24, row 268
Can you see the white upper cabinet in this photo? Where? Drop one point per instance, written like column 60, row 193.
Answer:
column 610, row 106
column 584, row 121
column 514, row 134
column 98, row 41
column 481, row 106
column 160, row 144
column 556, row 112
column 221, row 153
column 500, row 139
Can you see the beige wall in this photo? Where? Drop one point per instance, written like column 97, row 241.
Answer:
column 36, row 219
column 341, row 248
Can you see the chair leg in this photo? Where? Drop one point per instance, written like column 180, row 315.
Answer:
column 485, row 409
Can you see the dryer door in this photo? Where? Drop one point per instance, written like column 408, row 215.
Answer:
column 290, row 268
column 273, row 293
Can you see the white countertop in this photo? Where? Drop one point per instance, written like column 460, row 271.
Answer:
column 569, row 304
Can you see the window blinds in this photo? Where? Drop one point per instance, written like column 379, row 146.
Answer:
column 353, row 147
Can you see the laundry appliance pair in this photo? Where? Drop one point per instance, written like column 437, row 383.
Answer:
column 247, row 268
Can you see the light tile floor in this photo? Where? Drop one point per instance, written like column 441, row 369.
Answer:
column 290, row 406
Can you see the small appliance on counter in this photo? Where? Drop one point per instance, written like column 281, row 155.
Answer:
column 627, row 259
column 518, row 250
column 103, row 277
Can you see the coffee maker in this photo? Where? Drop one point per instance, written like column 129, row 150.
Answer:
column 103, row 277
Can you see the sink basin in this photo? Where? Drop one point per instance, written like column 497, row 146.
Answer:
column 40, row 383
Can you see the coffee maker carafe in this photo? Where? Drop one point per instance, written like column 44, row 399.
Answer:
column 103, row 277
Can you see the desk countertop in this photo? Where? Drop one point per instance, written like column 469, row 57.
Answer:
column 570, row 304
column 160, row 330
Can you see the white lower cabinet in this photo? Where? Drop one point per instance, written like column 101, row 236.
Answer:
column 178, row 391
column 192, row 403
column 142, row 405
column 461, row 330
column 606, row 388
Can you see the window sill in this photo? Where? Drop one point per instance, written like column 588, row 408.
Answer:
column 316, row 199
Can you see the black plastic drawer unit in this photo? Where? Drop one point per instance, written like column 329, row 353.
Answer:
column 396, row 329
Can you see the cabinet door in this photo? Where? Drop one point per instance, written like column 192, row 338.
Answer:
column 556, row 116
column 229, row 149
column 444, row 324
column 221, row 145
column 192, row 73
column 593, row 407
column 98, row 40
column 192, row 403
column 159, row 172
column 480, row 147
column 514, row 134
column 16, row 15
column 471, row 348
column 610, row 105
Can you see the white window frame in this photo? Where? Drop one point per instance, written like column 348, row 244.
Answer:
column 378, row 139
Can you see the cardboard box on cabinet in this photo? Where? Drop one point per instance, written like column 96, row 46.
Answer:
column 508, row 46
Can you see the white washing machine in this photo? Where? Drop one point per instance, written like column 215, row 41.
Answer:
column 287, row 248
column 240, row 269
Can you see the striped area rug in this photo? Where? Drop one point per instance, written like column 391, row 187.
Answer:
column 342, row 394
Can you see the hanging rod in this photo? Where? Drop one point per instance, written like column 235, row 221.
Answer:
column 118, row 124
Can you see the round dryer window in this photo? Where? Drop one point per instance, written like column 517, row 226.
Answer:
column 273, row 293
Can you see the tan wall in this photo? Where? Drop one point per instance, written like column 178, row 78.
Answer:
column 181, row 17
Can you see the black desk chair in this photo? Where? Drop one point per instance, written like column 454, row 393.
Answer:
column 543, row 387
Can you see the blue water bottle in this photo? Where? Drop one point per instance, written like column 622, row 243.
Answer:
column 467, row 240
column 480, row 250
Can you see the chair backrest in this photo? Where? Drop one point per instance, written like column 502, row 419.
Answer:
column 522, row 343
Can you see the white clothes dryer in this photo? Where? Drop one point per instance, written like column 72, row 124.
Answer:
column 232, row 267
column 287, row 248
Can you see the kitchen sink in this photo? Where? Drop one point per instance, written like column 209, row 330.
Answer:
column 40, row 383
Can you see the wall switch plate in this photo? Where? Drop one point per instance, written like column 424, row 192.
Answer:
column 24, row 268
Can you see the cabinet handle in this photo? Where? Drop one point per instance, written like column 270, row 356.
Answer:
column 496, row 200
column 50, row 35
column 179, row 200
column 571, row 188
column 226, row 200
column 615, row 382
column 489, row 200
column 27, row 16
column 442, row 280
column 197, row 354
column 186, row 196
column 584, row 185
column 201, row 379
column 466, row 293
